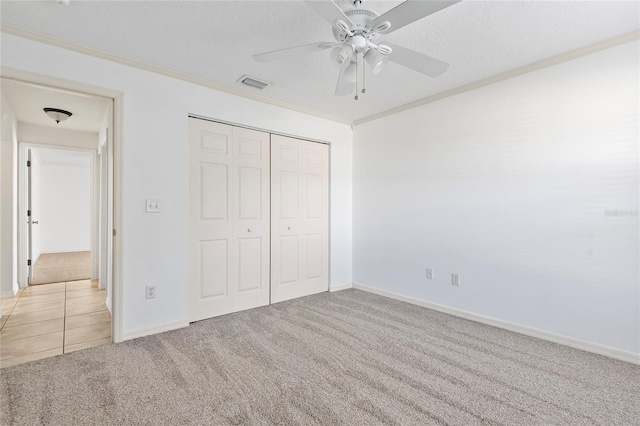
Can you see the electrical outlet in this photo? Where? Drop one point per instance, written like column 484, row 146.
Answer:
column 429, row 273
column 151, row 292
column 455, row 279
column 152, row 206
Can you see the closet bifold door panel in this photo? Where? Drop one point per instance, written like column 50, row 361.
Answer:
column 299, row 218
column 229, row 219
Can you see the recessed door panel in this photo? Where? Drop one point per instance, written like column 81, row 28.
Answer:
column 217, row 143
column 214, row 191
column 313, row 158
column 250, row 192
column 214, row 268
column 249, row 264
column 315, row 258
column 314, row 196
column 250, row 148
column 289, row 195
column 289, row 154
column 289, row 259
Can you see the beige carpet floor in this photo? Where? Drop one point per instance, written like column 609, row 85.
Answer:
column 345, row 358
column 59, row 267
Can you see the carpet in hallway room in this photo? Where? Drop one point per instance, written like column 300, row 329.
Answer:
column 59, row 267
column 335, row 358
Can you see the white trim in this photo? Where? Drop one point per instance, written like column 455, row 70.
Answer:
column 31, row 35
column 109, row 305
column 117, row 281
column 258, row 129
column 154, row 329
column 8, row 294
column 522, row 329
column 545, row 63
column 95, row 209
column 340, row 288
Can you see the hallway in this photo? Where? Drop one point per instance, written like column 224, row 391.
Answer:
column 59, row 267
column 51, row 319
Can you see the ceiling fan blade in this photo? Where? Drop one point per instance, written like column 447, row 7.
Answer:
column 329, row 11
column 344, row 87
column 416, row 61
column 292, row 51
column 410, row 11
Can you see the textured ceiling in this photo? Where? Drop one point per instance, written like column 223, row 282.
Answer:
column 28, row 101
column 215, row 41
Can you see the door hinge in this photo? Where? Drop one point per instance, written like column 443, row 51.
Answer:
column 114, row 232
column 28, row 212
column 29, row 262
column 28, row 163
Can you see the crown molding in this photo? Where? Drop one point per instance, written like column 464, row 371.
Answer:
column 564, row 57
column 53, row 41
column 545, row 63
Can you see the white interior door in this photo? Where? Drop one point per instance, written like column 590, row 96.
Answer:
column 30, row 260
column 300, row 218
column 229, row 219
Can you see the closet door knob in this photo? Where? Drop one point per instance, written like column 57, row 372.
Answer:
column 249, row 230
column 289, row 228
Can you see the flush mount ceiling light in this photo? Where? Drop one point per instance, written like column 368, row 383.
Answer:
column 57, row 115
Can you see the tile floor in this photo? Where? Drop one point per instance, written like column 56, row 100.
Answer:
column 51, row 319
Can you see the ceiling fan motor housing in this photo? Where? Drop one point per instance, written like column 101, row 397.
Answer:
column 361, row 19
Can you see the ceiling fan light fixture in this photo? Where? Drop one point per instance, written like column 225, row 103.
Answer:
column 57, row 115
column 341, row 55
column 376, row 60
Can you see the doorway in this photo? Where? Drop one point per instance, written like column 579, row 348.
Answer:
column 65, row 227
column 61, row 215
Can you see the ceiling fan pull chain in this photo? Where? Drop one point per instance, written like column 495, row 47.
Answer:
column 356, row 97
column 364, row 72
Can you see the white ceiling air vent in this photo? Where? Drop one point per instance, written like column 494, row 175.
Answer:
column 252, row 82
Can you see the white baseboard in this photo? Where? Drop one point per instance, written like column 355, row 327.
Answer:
column 154, row 329
column 333, row 289
column 7, row 294
column 109, row 306
column 522, row 329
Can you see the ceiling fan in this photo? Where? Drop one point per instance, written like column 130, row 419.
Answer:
column 357, row 32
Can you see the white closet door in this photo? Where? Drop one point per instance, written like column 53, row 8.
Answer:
column 300, row 218
column 228, row 219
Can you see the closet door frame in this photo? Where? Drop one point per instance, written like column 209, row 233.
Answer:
column 271, row 133
column 229, row 219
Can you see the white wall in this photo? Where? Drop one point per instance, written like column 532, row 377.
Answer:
column 64, row 212
column 44, row 135
column 156, row 166
column 8, row 212
column 509, row 185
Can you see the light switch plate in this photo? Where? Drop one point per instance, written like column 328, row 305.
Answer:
column 455, row 279
column 429, row 273
column 153, row 206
